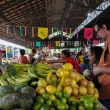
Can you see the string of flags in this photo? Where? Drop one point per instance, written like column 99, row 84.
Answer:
column 41, row 32
column 51, row 44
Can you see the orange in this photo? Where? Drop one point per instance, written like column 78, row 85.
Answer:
column 74, row 91
column 66, row 81
column 83, row 82
column 73, row 83
column 90, row 90
column 82, row 90
column 68, row 90
column 91, row 84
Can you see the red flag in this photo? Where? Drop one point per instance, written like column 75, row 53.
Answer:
column 88, row 33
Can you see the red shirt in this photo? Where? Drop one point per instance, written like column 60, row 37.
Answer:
column 74, row 63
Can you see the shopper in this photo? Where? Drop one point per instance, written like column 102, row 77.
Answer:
column 83, row 60
column 94, row 55
column 31, row 57
column 102, row 29
column 23, row 59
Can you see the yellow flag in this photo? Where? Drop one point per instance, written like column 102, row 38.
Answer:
column 57, row 43
column 42, row 33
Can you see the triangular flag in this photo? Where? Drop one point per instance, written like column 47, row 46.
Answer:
column 42, row 33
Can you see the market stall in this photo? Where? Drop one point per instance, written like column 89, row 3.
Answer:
column 40, row 87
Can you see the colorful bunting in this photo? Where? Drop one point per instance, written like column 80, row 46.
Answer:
column 88, row 33
column 25, row 29
column 21, row 33
column 32, row 31
column 38, row 44
column 57, row 43
column 42, row 33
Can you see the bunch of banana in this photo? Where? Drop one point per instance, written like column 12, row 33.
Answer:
column 18, row 77
column 42, row 70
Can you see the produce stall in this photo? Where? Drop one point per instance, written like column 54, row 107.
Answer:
column 40, row 87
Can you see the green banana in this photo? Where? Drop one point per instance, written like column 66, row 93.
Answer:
column 11, row 81
column 22, row 74
column 3, row 81
column 31, row 73
column 39, row 74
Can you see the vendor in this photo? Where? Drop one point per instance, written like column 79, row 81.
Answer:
column 65, row 58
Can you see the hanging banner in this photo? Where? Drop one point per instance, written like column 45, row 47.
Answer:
column 76, row 43
column 88, row 33
column 14, row 30
column 62, row 44
column 38, row 44
column 32, row 31
column 49, row 46
column 57, row 43
column 25, row 29
column 21, row 31
column 42, row 33
column 8, row 49
column 95, row 42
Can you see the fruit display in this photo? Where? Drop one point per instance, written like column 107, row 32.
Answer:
column 46, row 88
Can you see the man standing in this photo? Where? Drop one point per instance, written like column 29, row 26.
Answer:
column 102, row 29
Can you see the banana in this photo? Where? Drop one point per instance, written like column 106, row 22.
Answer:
column 31, row 73
column 22, row 74
column 39, row 74
column 3, row 81
column 11, row 81
column 22, row 80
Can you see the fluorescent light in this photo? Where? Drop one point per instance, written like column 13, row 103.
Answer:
column 3, row 42
column 101, row 44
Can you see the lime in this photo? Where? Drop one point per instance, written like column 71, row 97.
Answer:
column 96, row 105
column 39, row 99
column 56, row 102
column 52, row 108
column 70, row 99
column 48, row 102
column 60, row 106
column 81, row 107
column 72, row 107
column 37, row 106
column 75, row 103
column 88, row 105
column 52, row 97
column 65, row 95
column 58, row 94
column 45, row 95
column 66, row 106
column 44, row 107
column 63, row 100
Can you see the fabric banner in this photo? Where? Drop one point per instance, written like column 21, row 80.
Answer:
column 38, row 44
column 49, row 46
column 95, row 42
column 57, row 43
column 42, row 33
column 76, row 43
column 88, row 33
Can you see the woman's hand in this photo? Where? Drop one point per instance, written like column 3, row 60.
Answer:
column 97, row 70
